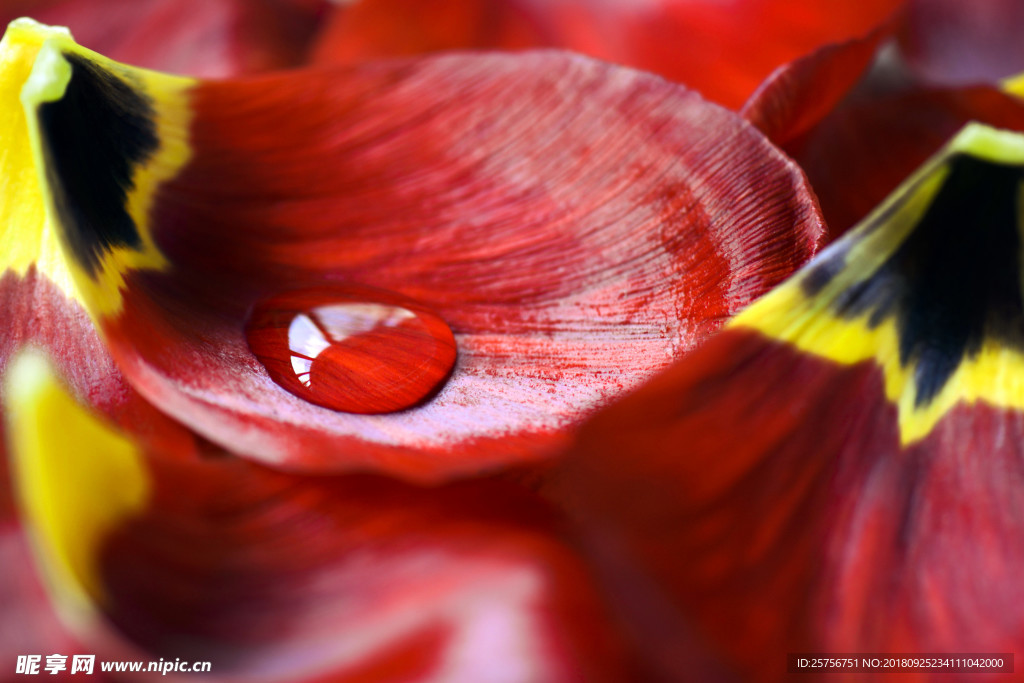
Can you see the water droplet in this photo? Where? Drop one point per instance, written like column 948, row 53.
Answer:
column 351, row 348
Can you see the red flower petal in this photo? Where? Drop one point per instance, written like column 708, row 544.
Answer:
column 858, row 151
column 42, row 308
column 41, row 303
column 274, row 577
column 40, row 315
column 364, row 573
column 861, row 152
column 209, row 38
column 723, row 49
column 799, row 94
column 28, row 624
column 959, row 43
column 577, row 225
column 838, row 470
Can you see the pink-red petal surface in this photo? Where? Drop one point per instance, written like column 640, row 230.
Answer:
column 28, row 623
column 273, row 577
column 761, row 497
column 577, row 225
column 964, row 43
column 210, row 38
column 39, row 314
column 723, row 49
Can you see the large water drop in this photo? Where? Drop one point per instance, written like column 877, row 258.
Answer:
column 353, row 349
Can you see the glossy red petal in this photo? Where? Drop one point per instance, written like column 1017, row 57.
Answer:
column 711, row 486
column 590, row 225
column 577, row 225
column 964, row 43
column 838, row 470
column 723, row 49
column 210, row 38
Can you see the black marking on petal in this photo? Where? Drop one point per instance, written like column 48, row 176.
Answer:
column 825, row 269
column 93, row 139
column 956, row 279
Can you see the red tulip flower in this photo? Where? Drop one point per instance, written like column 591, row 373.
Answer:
column 410, row 366
column 572, row 227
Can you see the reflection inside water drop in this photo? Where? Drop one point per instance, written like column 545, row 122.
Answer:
column 353, row 349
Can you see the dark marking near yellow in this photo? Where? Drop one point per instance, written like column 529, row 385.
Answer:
column 93, row 138
column 954, row 281
column 928, row 287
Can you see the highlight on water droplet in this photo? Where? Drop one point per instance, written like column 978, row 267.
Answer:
column 352, row 348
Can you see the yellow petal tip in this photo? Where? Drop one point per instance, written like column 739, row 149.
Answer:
column 957, row 220
column 988, row 143
column 76, row 478
column 30, row 27
column 1014, row 85
column 49, row 78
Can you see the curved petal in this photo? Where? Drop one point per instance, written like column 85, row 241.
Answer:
column 42, row 308
column 839, row 470
column 722, row 49
column 857, row 151
column 40, row 315
column 959, row 43
column 800, row 94
column 36, row 291
column 866, row 147
column 577, row 225
column 28, row 624
column 41, row 304
column 209, row 38
column 272, row 577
